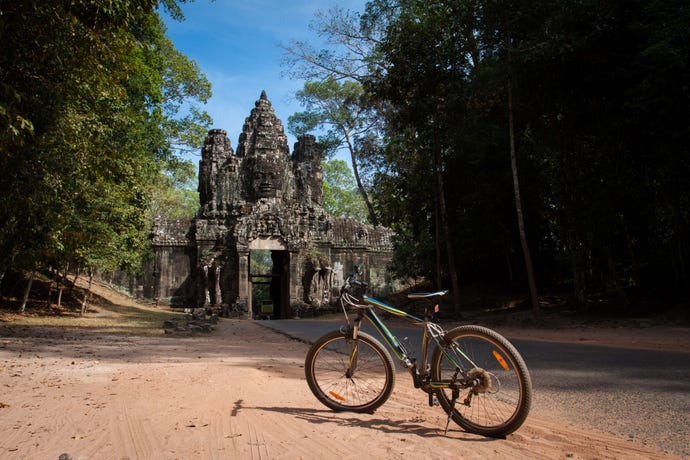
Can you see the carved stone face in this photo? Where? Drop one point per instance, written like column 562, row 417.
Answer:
column 267, row 179
column 265, row 184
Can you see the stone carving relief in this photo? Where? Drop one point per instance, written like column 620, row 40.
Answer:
column 317, row 281
column 214, row 154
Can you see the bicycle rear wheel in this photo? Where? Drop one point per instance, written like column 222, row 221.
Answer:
column 349, row 375
column 499, row 401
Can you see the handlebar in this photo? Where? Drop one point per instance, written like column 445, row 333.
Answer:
column 352, row 280
column 355, row 299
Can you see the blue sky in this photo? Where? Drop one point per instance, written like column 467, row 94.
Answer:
column 236, row 44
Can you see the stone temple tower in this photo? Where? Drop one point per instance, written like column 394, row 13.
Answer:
column 262, row 198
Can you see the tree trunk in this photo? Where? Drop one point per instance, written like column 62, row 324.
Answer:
column 437, row 244
column 50, row 289
column 518, row 200
column 60, row 279
column 76, row 276
column 87, row 294
column 440, row 191
column 2, row 277
column 355, row 170
column 59, row 296
column 27, row 291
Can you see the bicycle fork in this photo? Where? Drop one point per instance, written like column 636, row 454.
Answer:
column 353, row 361
column 352, row 335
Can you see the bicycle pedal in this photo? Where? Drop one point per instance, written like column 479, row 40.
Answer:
column 433, row 400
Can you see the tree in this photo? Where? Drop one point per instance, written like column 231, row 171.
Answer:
column 570, row 115
column 341, row 196
column 590, row 129
column 88, row 108
column 350, row 41
column 338, row 107
column 174, row 195
column 427, row 83
column 504, row 45
column 334, row 75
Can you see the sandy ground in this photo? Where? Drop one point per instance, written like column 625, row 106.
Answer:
column 238, row 393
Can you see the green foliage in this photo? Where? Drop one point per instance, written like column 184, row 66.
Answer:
column 334, row 106
column 600, row 97
column 333, row 93
column 173, row 193
column 337, row 107
column 340, row 195
column 261, row 262
column 88, row 104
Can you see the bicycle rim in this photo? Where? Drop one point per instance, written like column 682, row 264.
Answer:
column 328, row 372
column 501, row 400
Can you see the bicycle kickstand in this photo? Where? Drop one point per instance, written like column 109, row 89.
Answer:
column 456, row 394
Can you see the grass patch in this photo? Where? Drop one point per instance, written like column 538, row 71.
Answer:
column 109, row 312
column 117, row 320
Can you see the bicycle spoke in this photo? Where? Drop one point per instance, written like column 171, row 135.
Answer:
column 497, row 399
column 349, row 375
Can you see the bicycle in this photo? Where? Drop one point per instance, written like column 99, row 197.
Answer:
column 475, row 374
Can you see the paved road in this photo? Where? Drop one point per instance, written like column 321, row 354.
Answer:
column 641, row 394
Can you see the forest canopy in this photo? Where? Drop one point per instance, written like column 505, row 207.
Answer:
column 561, row 122
column 91, row 118
column 507, row 143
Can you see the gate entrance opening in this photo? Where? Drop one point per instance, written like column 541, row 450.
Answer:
column 268, row 280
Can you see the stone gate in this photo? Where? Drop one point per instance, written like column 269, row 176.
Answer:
column 262, row 198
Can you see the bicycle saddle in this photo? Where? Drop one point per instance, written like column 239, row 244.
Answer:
column 427, row 295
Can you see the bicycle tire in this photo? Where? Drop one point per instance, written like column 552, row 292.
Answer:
column 502, row 398
column 326, row 368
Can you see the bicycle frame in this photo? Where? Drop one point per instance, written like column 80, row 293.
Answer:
column 420, row 374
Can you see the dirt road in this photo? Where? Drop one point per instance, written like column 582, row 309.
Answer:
column 237, row 393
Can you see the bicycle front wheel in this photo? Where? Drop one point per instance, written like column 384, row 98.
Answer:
column 348, row 374
column 499, row 398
